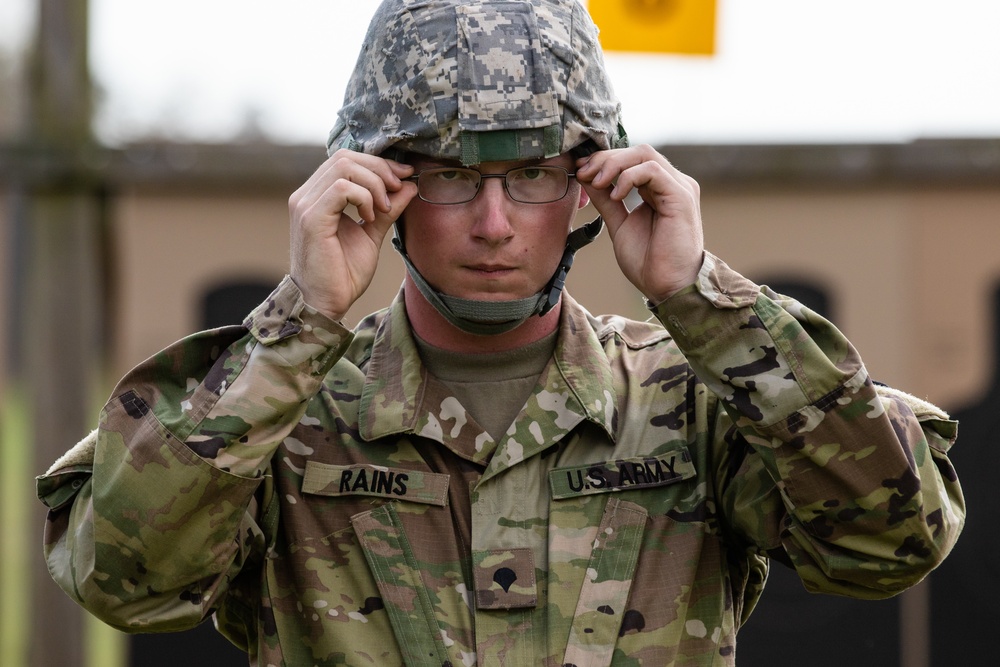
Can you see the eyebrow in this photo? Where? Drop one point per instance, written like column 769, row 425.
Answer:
column 433, row 163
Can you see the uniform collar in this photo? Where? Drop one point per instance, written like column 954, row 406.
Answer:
column 400, row 397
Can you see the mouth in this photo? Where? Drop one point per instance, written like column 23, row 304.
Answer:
column 491, row 270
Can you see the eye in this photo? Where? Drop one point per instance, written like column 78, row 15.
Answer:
column 453, row 175
column 532, row 173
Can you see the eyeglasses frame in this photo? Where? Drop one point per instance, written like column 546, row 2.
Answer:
column 415, row 179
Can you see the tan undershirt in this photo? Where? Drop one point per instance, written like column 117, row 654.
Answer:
column 492, row 387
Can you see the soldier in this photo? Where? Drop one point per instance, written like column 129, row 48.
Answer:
column 483, row 472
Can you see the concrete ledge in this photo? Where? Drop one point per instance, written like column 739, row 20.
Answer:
column 152, row 164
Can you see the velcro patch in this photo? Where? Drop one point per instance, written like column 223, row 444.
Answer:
column 622, row 474
column 324, row 479
column 505, row 579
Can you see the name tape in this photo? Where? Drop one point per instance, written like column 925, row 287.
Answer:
column 621, row 474
column 324, row 479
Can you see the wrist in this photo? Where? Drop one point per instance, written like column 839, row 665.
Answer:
column 316, row 302
column 676, row 284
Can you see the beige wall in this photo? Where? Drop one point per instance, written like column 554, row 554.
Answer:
column 910, row 271
column 956, row 271
column 905, row 243
column 850, row 243
column 170, row 248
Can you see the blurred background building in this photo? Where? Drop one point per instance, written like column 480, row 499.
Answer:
column 119, row 237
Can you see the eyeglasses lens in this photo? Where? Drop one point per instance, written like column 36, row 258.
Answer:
column 529, row 185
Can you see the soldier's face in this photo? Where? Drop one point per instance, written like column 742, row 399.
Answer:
column 491, row 248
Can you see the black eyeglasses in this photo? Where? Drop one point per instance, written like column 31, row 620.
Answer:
column 457, row 185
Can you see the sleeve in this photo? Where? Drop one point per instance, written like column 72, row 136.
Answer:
column 155, row 513
column 845, row 480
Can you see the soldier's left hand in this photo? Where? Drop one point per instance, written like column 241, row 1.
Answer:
column 659, row 244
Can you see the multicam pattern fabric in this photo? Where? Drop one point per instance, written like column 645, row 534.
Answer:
column 479, row 82
column 329, row 500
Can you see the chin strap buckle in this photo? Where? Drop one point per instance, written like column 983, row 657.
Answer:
column 577, row 239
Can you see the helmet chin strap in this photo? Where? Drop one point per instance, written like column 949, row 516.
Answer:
column 490, row 318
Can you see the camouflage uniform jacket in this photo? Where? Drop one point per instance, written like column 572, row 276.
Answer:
column 312, row 487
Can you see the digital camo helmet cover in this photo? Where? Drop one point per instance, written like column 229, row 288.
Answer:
column 479, row 81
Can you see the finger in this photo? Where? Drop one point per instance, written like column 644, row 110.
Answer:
column 375, row 173
column 605, row 168
column 593, row 169
column 378, row 178
column 613, row 211
column 649, row 178
column 325, row 208
column 400, row 169
column 391, row 172
column 659, row 185
column 382, row 222
column 355, row 184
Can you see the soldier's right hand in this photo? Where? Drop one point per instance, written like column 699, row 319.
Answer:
column 333, row 256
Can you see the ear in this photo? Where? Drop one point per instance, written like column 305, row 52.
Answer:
column 584, row 198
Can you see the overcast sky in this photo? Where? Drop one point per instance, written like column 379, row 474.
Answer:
column 785, row 70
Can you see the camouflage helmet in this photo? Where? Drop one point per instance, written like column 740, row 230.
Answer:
column 480, row 81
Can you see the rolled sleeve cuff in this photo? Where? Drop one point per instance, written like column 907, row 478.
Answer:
column 696, row 313
column 284, row 314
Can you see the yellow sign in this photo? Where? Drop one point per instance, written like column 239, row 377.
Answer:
column 659, row 26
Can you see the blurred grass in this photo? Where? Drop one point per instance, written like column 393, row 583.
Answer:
column 103, row 646
column 15, row 492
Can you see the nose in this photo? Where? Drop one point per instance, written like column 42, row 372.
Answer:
column 492, row 212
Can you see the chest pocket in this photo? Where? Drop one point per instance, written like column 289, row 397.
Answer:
column 610, row 572
column 400, row 582
column 637, row 487
column 372, row 563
